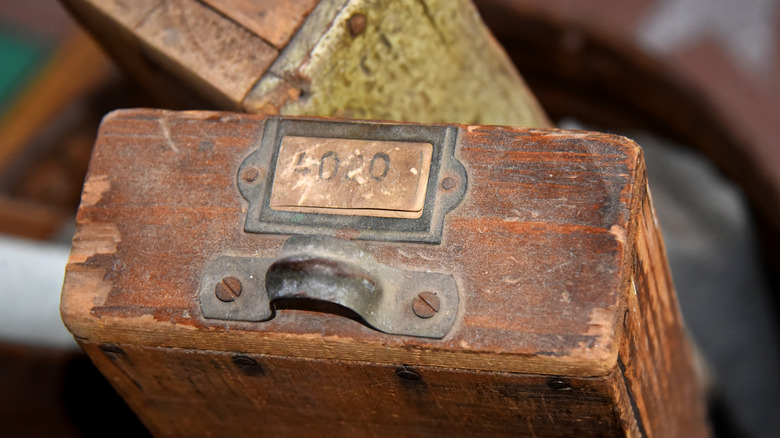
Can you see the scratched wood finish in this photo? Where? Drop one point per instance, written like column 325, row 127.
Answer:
column 418, row 60
column 548, row 247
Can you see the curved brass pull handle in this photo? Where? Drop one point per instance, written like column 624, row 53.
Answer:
column 324, row 268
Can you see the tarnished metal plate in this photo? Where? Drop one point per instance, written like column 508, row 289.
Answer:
column 351, row 177
column 252, row 305
column 318, row 196
column 337, row 271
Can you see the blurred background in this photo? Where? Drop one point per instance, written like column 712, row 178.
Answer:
column 694, row 82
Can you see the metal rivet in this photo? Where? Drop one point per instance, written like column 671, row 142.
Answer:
column 425, row 304
column 449, row 183
column 251, row 174
column 559, row 384
column 357, row 24
column 228, row 289
column 407, row 373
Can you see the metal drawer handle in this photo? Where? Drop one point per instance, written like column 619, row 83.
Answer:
column 324, row 268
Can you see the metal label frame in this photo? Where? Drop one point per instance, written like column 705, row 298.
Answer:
column 261, row 218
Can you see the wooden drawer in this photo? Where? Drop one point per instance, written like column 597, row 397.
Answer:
column 552, row 314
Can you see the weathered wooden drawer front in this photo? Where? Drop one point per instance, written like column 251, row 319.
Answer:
column 473, row 280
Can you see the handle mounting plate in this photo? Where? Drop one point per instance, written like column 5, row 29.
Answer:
column 334, row 270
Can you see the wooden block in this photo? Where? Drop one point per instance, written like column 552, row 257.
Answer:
column 425, row 61
column 556, row 309
column 218, row 58
column 275, row 21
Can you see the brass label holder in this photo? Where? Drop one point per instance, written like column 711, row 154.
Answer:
column 381, row 181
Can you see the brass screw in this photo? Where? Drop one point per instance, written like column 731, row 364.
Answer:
column 357, row 24
column 425, row 304
column 228, row 289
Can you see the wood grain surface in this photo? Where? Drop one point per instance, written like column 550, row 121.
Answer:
column 655, row 352
column 559, row 271
column 424, row 61
column 185, row 43
column 229, row 394
column 275, row 21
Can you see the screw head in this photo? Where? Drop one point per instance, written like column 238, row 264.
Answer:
column 425, row 304
column 357, row 24
column 228, row 289
column 449, row 183
column 251, row 174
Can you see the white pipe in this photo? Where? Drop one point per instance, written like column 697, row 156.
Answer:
column 31, row 275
